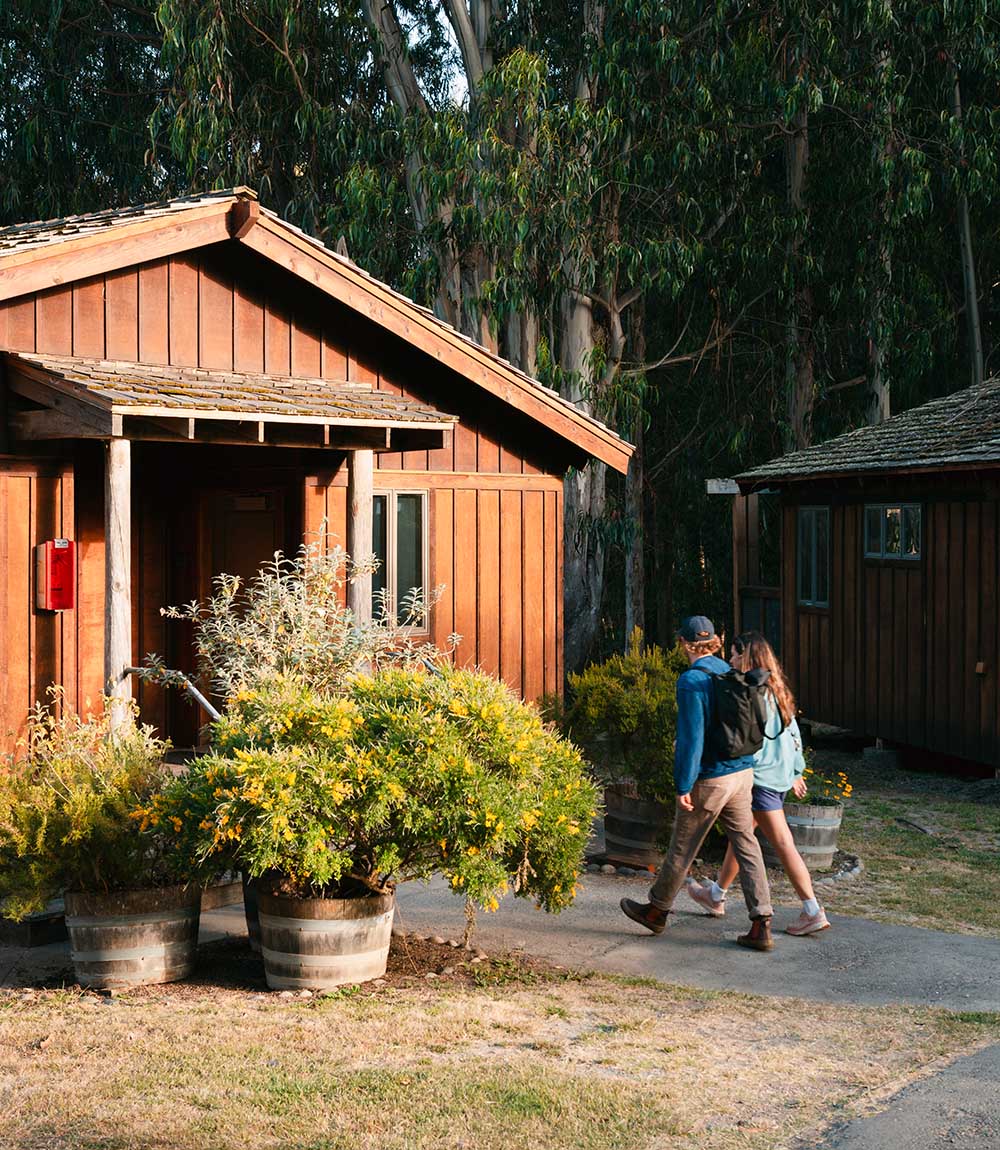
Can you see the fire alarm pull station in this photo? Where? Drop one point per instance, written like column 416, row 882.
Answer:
column 55, row 575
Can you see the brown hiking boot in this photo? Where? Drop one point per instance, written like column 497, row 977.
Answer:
column 645, row 914
column 759, row 935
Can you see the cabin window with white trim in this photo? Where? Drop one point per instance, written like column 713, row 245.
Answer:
column 814, row 557
column 399, row 543
column 893, row 531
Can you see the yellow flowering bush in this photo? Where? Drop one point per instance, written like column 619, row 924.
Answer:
column 401, row 774
column 625, row 712
column 825, row 790
column 80, row 811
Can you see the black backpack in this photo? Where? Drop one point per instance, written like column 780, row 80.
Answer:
column 739, row 713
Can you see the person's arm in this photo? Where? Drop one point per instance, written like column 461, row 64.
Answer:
column 690, row 737
column 799, row 787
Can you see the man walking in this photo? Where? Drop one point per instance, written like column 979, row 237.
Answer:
column 709, row 789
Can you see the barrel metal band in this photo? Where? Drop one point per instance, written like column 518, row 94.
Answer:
column 131, row 919
column 798, row 821
column 304, row 961
column 324, row 925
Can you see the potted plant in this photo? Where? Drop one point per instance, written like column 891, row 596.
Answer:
column 624, row 712
column 328, row 800
column 815, row 822
column 80, row 813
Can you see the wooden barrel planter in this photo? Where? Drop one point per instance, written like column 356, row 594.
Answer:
column 251, row 914
column 814, row 830
column 318, row 943
column 133, row 938
column 635, row 830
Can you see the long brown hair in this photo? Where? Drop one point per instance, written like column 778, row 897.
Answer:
column 752, row 650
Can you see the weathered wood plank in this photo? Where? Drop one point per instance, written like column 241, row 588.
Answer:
column 466, row 576
column 511, row 589
column 118, row 574
column 533, row 595
column 442, row 563
column 54, row 321
column 184, row 311
column 360, row 488
column 121, row 314
column 154, row 313
column 215, row 317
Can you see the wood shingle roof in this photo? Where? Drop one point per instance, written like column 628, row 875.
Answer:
column 960, row 430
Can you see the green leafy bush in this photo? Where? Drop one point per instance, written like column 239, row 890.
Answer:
column 624, row 711
column 78, row 811
column 403, row 773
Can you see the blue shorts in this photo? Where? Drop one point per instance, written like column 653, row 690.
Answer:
column 764, row 799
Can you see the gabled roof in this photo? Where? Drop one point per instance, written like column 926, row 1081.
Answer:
column 44, row 254
column 960, row 430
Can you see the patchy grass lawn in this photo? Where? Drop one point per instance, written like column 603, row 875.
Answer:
column 942, row 876
column 521, row 1061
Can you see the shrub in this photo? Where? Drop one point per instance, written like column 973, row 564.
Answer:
column 625, row 712
column 404, row 773
column 290, row 620
column 825, row 790
column 79, row 811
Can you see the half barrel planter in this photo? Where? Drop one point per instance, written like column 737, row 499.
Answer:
column 814, row 831
column 133, row 938
column 319, row 943
column 635, row 830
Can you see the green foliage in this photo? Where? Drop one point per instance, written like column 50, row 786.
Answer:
column 405, row 773
column 79, row 811
column 625, row 711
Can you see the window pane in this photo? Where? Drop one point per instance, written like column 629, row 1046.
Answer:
column 911, row 532
column 873, row 531
column 807, row 523
column 822, row 557
column 380, row 549
column 409, row 548
column 892, row 530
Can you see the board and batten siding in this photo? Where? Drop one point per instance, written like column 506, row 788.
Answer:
column 495, row 492
column 495, row 547
column 906, row 651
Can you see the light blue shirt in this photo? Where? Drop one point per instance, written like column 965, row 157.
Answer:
column 779, row 762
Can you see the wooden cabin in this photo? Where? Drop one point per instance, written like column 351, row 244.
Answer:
column 188, row 386
column 889, row 562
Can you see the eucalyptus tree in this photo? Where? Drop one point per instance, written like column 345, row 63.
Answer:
column 79, row 80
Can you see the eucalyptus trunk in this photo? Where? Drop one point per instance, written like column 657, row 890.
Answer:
column 800, row 362
column 635, row 562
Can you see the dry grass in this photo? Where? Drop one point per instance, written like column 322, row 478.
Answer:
column 554, row 1062
column 942, row 879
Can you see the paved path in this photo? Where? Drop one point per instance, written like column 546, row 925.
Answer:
column 958, row 1107
column 856, row 961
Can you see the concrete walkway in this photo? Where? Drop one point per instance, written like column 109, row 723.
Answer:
column 856, row 961
column 958, row 1107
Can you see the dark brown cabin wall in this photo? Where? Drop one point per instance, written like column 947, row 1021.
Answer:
column 895, row 655
column 479, row 527
column 37, row 647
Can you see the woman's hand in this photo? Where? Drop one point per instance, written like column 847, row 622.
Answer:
column 799, row 788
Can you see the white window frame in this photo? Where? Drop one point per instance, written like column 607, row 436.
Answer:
column 881, row 553
column 390, row 495
column 812, row 601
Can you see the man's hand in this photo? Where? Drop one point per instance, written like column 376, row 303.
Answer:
column 685, row 803
column 799, row 788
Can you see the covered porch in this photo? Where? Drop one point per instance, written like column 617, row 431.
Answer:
column 191, row 472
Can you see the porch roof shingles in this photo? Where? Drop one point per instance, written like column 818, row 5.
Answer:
column 134, row 389
column 957, row 430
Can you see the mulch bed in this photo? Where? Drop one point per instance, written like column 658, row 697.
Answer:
column 227, row 967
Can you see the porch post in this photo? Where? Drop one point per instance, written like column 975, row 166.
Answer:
column 118, row 576
column 360, row 483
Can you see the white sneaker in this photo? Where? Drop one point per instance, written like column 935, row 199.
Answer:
column 808, row 924
column 702, row 895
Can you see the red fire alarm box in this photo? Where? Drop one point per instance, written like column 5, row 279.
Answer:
column 55, row 575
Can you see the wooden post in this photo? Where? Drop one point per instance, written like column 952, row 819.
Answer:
column 360, row 483
column 118, row 577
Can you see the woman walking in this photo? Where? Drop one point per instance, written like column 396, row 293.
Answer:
column 777, row 768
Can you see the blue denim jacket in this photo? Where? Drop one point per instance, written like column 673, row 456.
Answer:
column 692, row 759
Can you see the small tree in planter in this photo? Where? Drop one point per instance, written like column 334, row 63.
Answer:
column 624, row 711
column 80, row 813
column 329, row 800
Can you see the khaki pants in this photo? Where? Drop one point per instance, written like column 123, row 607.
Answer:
column 725, row 799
